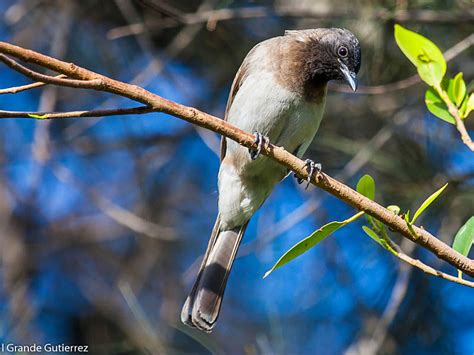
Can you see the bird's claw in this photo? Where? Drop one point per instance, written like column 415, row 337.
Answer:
column 313, row 169
column 260, row 140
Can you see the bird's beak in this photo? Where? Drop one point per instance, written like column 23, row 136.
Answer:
column 350, row 76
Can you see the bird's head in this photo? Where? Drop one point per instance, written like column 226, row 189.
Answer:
column 330, row 54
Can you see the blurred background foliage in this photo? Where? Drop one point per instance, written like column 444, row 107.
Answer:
column 103, row 220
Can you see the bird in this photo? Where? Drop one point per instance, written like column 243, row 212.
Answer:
column 278, row 94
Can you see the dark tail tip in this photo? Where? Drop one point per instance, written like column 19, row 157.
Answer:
column 186, row 312
column 202, row 306
column 195, row 319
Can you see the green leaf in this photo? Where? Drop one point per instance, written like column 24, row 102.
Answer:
column 470, row 105
column 437, row 106
column 463, row 107
column 309, row 242
column 374, row 223
column 464, row 237
column 431, row 73
column 423, row 53
column 366, row 186
column 448, row 86
column 457, row 89
column 37, row 116
column 427, row 202
column 406, row 216
column 380, row 240
column 394, row 208
column 372, row 234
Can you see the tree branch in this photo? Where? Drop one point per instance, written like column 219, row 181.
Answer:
column 256, row 12
column 57, row 80
column 279, row 154
column 426, row 268
column 457, row 119
column 74, row 114
column 115, row 212
column 17, row 89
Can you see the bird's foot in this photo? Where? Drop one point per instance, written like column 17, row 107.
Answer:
column 314, row 169
column 260, row 140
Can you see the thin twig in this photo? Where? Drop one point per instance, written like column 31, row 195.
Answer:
column 110, row 302
column 429, row 270
column 119, row 214
column 279, row 154
column 155, row 67
column 459, row 122
column 141, row 318
column 461, row 127
column 256, row 12
column 75, row 114
column 17, row 89
column 78, row 84
column 428, row 16
column 163, row 8
column 426, row 268
column 41, row 145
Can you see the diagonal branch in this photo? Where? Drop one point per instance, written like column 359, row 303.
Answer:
column 192, row 115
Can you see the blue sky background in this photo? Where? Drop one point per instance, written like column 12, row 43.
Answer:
column 74, row 258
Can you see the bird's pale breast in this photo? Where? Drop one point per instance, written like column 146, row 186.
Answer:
column 286, row 118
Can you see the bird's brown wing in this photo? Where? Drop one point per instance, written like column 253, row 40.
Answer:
column 237, row 83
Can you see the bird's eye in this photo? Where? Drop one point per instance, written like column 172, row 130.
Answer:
column 342, row 51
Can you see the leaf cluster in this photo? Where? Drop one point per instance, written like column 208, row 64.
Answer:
column 444, row 94
column 376, row 229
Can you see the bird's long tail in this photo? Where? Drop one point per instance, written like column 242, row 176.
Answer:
column 203, row 304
